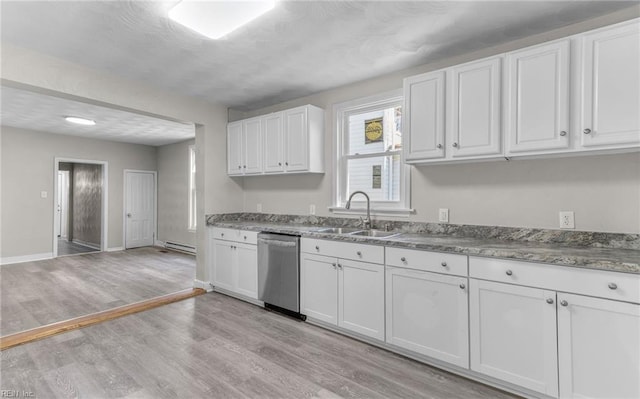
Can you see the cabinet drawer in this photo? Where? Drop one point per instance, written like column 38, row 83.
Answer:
column 245, row 236
column 427, row 261
column 598, row 283
column 344, row 250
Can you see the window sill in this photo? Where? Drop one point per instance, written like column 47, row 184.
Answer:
column 393, row 212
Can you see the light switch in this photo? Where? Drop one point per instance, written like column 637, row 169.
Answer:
column 43, row 194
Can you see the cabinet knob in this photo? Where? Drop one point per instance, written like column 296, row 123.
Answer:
column 550, row 301
column 439, row 146
column 564, row 303
column 339, row 266
column 563, row 133
column 613, row 286
column 245, row 166
column 443, row 264
column 586, row 131
column 239, row 167
column 403, row 259
column 462, row 286
column 245, row 237
column 286, row 163
column 221, row 234
column 509, row 272
column 359, row 253
column 334, row 265
column 279, row 163
column 455, row 145
column 317, row 248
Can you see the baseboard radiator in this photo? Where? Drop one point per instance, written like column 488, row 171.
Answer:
column 176, row 246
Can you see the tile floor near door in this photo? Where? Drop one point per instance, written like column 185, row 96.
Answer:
column 214, row 346
column 33, row 294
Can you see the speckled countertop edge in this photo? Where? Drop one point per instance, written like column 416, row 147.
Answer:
column 589, row 257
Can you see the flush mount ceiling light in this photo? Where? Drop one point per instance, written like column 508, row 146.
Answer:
column 79, row 121
column 215, row 19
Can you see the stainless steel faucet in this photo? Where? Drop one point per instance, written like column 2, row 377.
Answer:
column 366, row 223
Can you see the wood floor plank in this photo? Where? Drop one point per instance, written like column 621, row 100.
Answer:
column 49, row 330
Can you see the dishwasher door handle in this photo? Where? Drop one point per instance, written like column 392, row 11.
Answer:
column 277, row 243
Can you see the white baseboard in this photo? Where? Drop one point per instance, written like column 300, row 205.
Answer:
column 115, row 249
column 87, row 244
column 202, row 284
column 158, row 243
column 25, row 258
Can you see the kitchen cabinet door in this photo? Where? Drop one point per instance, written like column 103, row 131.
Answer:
column 474, row 111
column 361, row 297
column 273, row 143
column 599, row 347
column 296, row 140
column 424, row 116
column 234, row 148
column 513, row 334
column 611, row 85
column 223, row 265
column 319, row 288
column 252, row 146
column 428, row 313
column 246, row 264
column 537, row 109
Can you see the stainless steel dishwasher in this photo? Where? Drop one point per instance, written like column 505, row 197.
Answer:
column 279, row 272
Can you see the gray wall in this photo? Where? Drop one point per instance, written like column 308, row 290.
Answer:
column 173, row 194
column 27, row 219
column 604, row 191
column 87, row 203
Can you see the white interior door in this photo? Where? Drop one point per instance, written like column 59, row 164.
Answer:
column 139, row 210
column 63, row 203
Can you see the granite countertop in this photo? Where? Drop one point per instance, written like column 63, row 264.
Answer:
column 592, row 256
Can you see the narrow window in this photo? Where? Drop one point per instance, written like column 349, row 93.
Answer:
column 192, row 188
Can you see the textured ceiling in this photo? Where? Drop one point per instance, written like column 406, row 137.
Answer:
column 299, row 48
column 46, row 113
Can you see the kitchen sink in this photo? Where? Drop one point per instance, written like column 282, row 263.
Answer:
column 375, row 233
column 338, row 230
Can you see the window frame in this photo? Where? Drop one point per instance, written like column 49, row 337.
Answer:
column 193, row 218
column 341, row 112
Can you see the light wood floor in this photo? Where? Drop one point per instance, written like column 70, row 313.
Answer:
column 38, row 293
column 213, row 346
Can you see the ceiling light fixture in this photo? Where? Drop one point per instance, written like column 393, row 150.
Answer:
column 215, row 19
column 80, row 121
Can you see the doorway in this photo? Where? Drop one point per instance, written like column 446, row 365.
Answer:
column 80, row 207
column 139, row 208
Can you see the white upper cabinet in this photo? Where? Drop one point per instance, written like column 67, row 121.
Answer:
column 537, row 103
column 474, row 113
column 291, row 141
column 234, row 148
column 610, row 114
column 424, row 113
column 273, row 134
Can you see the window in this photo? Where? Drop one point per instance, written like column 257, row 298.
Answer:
column 369, row 154
column 192, row 188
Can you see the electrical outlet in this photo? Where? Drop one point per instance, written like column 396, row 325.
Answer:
column 312, row 209
column 567, row 220
column 259, row 207
column 443, row 215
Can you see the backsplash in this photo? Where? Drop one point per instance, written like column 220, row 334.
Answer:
column 562, row 237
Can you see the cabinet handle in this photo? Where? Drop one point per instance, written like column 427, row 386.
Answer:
column 317, row 248
column 403, row 259
column 563, row 133
column 509, row 272
column 443, row 264
column 463, row 286
column 359, row 253
column 613, row 286
column 439, row 146
column 564, row 303
column 550, row 301
column 586, row 131
column 455, row 145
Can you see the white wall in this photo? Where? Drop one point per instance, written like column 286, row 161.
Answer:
column 28, row 168
column 216, row 192
column 173, row 194
column 604, row 191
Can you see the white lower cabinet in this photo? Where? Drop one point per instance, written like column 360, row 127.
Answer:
column 599, row 347
column 427, row 313
column 513, row 334
column 234, row 265
column 346, row 293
